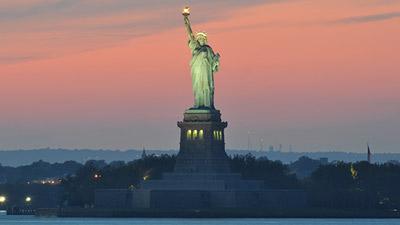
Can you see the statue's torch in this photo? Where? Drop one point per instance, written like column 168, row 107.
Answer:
column 186, row 11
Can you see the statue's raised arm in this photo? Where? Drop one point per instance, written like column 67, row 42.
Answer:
column 186, row 13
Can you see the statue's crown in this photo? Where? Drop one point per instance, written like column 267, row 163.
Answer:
column 202, row 34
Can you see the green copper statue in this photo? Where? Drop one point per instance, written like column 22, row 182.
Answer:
column 203, row 65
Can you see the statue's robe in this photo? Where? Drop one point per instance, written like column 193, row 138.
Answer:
column 203, row 65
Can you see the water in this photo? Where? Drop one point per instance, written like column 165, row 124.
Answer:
column 31, row 220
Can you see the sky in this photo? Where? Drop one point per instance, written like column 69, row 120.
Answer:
column 114, row 74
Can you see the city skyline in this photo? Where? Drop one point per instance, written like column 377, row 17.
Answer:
column 311, row 74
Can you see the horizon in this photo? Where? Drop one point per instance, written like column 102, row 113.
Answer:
column 115, row 75
column 27, row 157
column 177, row 149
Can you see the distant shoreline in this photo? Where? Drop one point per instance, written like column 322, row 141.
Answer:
column 26, row 157
column 219, row 213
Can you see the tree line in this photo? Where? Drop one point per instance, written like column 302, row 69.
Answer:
column 336, row 185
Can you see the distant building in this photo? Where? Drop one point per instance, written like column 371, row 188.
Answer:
column 368, row 154
column 271, row 148
column 144, row 155
column 323, row 161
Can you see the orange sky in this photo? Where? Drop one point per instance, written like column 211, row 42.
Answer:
column 317, row 75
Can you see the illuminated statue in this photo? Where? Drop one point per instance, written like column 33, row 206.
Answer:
column 203, row 65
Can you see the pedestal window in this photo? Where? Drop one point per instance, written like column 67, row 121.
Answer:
column 195, row 134
column 217, row 134
column 201, row 134
column 189, row 134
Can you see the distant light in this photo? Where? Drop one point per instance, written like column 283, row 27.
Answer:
column 97, row 176
column 3, row 199
column 146, row 177
column 28, row 199
column 354, row 172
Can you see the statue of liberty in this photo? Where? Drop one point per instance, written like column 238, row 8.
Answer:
column 203, row 65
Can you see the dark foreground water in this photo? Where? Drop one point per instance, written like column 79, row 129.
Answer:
column 28, row 220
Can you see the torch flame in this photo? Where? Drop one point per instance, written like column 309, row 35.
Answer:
column 186, row 11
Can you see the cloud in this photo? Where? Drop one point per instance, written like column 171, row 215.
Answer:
column 12, row 59
column 368, row 18
column 49, row 28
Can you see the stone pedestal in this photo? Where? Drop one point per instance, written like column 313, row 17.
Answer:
column 202, row 178
column 202, row 143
